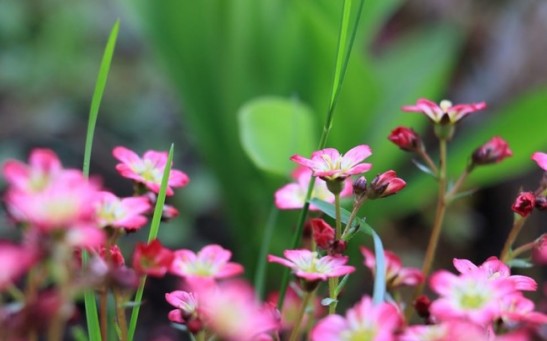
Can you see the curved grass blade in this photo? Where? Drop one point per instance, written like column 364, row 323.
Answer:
column 379, row 290
column 154, row 228
column 92, row 316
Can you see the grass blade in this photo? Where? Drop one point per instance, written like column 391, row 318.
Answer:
column 92, row 316
column 154, row 228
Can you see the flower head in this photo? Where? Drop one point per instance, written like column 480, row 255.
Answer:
column 152, row 259
column 124, row 213
column 396, row 275
column 492, row 151
column 148, row 170
column 384, row 185
column 524, row 204
column 329, row 164
column 541, row 159
column 211, row 262
column 406, row 139
column 293, row 195
column 444, row 112
column 186, row 304
column 365, row 322
column 307, row 265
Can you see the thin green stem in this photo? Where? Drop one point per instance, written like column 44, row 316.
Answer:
column 518, row 223
column 338, row 216
column 356, row 206
column 120, row 314
column 423, row 154
column 454, row 190
column 298, row 322
column 333, row 284
column 342, row 58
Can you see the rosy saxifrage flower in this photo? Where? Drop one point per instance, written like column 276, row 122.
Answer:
column 210, row 263
column 366, row 321
column 329, row 164
column 307, row 265
column 493, row 151
column 152, row 259
column 185, row 303
column 293, row 195
column 541, row 159
column 396, row 275
column 125, row 213
column 148, row 169
column 444, row 112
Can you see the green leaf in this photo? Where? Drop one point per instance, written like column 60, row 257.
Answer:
column 272, row 129
column 520, row 263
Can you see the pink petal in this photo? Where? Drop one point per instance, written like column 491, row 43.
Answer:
column 178, row 178
column 289, row 196
column 125, row 155
column 357, row 154
column 329, row 328
column 303, row 161
column 464, row 265
column 541, row 159
column 282, row 261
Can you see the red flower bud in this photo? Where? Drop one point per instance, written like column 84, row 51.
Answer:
column 360, row 186
column 422, row 304
column 385, row 184
column 492, row 151
column 406, row 139
column 323, row 233
column 541, row 203
column 524, row 204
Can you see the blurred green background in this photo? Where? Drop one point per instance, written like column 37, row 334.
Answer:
column 182, row 70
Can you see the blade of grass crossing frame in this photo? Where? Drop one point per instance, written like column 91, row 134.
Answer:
column 342, row 58
column 154, row 228
column 92, row 317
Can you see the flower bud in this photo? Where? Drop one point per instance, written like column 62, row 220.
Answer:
column 524, row 204
column 492, row 151
column 422, row 304
column 360, row 186
column 406, row 139
column 323, row 233
column 384, row 185
column 338, row 247
column 541, row 203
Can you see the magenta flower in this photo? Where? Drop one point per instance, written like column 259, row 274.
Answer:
column 541, row 159
column 406, row 139
column 365, row 321
column 472, row 296
column 396, row 275
column 516, row 309
column 14, row 262
column 212, row 262
column 444, row 112
column 148, row 170
column 293, row 195
column 492, row 151
column 329, row 164
column 307, row 265
column 186, row 304
column 126, row 213
column 152, row 259
column 384, row 185
column 524, row 204
column 231, row 311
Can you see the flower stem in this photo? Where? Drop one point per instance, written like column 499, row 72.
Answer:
column 296, row 330
column 120, row 314
column 338, row 216
column 333, row 283
column 518, row 223
column 423, row 154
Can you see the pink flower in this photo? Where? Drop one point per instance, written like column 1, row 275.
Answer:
column 186, row 304
column 293, row 195
column 14, row 262
column 495, row 269
column 492, row 151
column 452, row 330
column 396, row 275
column 406, row 139
column 516, row 309
column 231, row 311
column 472, row 296
column 384, row 185
column 152, row 259
column 365, row 321
column 121, row 213
column 329, row 164
column 44, row 165
column 539, row 253
column 307, row 265
column 524, row 204
column 212, row 262
column 541, row 159
column 148, row 170
column 444, row 112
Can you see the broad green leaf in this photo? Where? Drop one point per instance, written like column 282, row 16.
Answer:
column 272, row 129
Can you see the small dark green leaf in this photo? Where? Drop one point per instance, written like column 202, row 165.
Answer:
column 520, row 263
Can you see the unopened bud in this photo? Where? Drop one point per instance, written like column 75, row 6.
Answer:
column 323, row 233
column 524, row 204
column 360, row 186
column 492, row 151
column 541, row 203
column 406, row 139
column 338, row 247
column 384, row 185
column 422, row 304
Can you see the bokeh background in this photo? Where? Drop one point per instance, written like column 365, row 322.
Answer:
column 182, row 70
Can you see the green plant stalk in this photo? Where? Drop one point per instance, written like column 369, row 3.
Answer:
column 506, row 254
column 439, row 218
column 343, row 53
column 423, row 154
column 260, row 274
column 333, row 281
column 92, row 318
column 120, row 314
column 154, row 228
column 296, row 330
